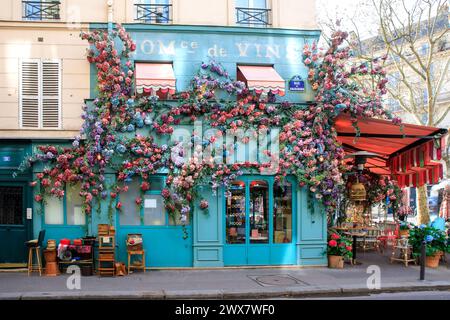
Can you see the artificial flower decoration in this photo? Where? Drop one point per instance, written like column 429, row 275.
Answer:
column 121, row 129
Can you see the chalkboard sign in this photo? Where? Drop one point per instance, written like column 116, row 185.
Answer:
column 296, row 84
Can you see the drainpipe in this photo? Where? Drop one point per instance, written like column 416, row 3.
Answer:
column 110, row 4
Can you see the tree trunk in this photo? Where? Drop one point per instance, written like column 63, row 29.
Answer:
column 423, row 213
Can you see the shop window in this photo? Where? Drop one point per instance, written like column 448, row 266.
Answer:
column 130, row 215
column 235, row 214
column 282, row 213
column 259, row 212
column 154, row 213
column 54, row 211
column 67, row 210
column 74, row 203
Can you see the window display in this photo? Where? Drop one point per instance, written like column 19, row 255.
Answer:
column 282, row 213
column 235, row 215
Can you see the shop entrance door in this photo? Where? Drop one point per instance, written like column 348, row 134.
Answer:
column 13, row 223
column 259, row 220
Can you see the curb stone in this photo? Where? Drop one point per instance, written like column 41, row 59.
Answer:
column 296, row 292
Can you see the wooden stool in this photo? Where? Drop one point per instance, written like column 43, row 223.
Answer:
column 35, row 245
column 136, row 253
column 34, row 267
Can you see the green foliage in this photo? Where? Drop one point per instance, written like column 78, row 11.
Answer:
column 435, row 240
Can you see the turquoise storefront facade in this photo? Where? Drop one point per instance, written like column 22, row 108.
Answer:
column 204, row 241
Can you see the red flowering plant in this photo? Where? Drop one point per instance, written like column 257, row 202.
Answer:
column 339, row 245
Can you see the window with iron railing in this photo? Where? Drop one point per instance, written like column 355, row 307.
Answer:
column 153, row 11
column 41, row 10
column 252, row 13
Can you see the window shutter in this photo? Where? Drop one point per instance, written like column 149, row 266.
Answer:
column 29, row 94
column 50, row 94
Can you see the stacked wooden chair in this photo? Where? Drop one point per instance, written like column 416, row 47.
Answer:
column 106, row 250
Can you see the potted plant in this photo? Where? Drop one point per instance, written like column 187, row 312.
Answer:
column 435, row 244
column 338, row 248
column 404, row 229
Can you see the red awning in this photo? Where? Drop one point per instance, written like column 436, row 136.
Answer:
column 410, row 154
column 262, row 79
column 151, row 77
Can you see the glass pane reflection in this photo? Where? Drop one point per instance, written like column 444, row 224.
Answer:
column 282, row 213
column 259, row 212
column 235, row 219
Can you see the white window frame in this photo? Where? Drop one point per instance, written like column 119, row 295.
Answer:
column 40, row 94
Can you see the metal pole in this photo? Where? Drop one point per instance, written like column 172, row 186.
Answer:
column 423, row 253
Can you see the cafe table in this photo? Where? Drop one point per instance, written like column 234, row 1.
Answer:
column 355, row 233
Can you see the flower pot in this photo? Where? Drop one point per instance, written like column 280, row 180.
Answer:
column 404, row 233
column 50, row 256
column 336, row 262
column 432, row 261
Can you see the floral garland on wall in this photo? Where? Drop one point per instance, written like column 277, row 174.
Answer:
column 308, row 147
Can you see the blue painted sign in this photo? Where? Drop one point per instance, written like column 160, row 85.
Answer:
column 297, row 84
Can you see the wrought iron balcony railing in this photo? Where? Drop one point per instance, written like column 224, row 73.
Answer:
column 153, row 13
column 253, row 17
column 40, row 10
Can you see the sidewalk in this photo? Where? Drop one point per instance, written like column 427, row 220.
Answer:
column 230, row 283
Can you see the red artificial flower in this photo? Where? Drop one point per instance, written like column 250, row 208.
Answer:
column 145, row 186
column 349, row 248
column 332, row 243
column 165, row 193
column 335, row 236
column 119, row 205
column 38, row 198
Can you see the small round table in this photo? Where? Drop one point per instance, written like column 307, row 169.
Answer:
column 355, row 235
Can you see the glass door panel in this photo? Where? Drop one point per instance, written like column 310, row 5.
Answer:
column 235, row 214
column 282, row 213
column 259, row 212
column 11, row 205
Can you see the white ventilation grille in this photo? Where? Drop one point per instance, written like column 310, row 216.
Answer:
column 40, row 94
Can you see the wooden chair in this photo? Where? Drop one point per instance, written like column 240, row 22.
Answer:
column 389, row 234
column 402, row 251
column 35, row 246
column 371, row 240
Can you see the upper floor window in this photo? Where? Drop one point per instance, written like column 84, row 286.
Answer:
column 153, row 11
column 40, row 94
column 252, row 13
column 40, row 10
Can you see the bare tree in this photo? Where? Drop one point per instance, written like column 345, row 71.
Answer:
column 414, row 34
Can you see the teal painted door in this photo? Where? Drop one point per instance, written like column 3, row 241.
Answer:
column 259, row 220
column 13, row 223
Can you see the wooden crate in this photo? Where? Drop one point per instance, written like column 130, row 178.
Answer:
column 103, row 229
